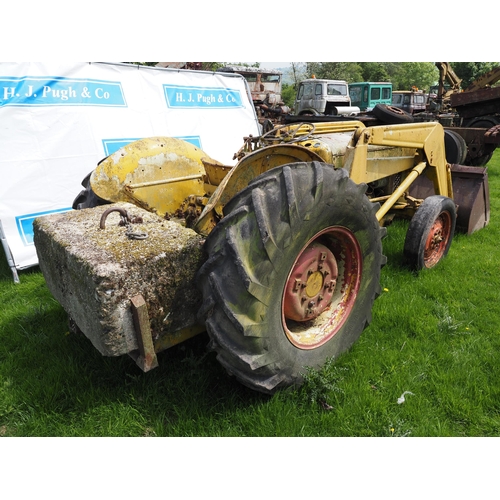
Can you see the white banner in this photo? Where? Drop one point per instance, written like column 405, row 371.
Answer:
column 58, row 120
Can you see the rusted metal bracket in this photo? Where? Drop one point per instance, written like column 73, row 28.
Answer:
column 146, row 359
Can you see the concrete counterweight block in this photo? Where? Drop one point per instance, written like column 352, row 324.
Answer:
column 95, row 273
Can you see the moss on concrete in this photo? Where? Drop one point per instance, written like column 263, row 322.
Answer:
column 94, row 272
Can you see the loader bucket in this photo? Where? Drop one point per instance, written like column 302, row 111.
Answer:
column 470, row 193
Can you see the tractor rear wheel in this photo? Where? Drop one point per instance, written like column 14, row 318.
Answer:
column 292, row 272
column 430, row 232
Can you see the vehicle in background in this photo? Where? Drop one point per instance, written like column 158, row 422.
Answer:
column 265, row 88
column 317, row 96
column 411, row 101
column 366, row 95
column 471, row 116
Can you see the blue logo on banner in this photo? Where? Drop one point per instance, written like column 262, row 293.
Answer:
column 113, row 145
column 59, row 91
column 25, row 224
column 201, row 97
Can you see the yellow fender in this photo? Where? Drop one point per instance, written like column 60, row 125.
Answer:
column 246, row 170
column 156, row 173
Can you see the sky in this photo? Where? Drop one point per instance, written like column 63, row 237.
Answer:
column 274, row 65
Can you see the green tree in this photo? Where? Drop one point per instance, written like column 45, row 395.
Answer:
column 212, row 66
column 288, row 94
column 297, row 72
column 349, row 71
column 405, row 75
column 469, row 71
column 374, row 72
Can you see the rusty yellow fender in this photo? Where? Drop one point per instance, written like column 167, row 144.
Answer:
column 156, row 173
column 247, row 169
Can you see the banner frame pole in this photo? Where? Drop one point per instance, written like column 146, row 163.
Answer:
column 8, row 254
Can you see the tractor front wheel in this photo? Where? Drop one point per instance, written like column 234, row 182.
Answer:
column 430, row 232
column 292, row 272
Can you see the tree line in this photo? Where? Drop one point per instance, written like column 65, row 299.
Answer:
column 402, row 75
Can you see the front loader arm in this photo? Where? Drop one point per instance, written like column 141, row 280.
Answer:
column 427, row 141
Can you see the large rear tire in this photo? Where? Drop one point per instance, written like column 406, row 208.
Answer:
column 292, row 272
column 430, row 233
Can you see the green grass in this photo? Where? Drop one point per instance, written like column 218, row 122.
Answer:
column 435, row 334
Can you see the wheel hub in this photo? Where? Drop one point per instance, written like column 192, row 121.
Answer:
column 321, row 288
column 437, row 240
column 311, row 285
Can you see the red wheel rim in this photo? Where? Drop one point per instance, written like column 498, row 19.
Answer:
column 321, row 287
column 437, row 239
column 395, row 110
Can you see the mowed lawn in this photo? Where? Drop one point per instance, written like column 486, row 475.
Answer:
column 428, row 365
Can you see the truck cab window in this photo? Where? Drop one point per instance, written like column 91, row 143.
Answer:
column 333, row 89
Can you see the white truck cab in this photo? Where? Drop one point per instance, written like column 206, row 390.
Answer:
column 317, row 96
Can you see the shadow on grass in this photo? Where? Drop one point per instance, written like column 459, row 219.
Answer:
column 393, row 244
column 59, row 384
column 53, row 383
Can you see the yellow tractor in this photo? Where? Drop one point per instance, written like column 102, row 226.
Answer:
column 291, row 235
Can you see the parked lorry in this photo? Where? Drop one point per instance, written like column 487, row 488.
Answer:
column 265, row 88
column 411, row 101
column 318, row 96
column 278, row 258
column 366, row 95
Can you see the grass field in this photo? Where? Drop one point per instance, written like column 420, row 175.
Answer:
column 434, row 337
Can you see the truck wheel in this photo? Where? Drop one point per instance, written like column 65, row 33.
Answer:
column 87, row 198
column 292, row 272
column 480, row 122
column 430, row 232
column 391, row 114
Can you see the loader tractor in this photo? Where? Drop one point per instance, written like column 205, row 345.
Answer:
column 292, row 239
